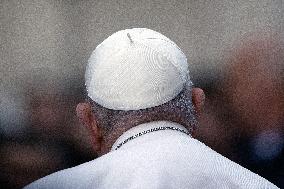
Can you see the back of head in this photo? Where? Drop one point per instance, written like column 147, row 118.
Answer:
column 139, row 75
column 136, row 69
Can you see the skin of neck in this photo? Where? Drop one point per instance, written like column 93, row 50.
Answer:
column 128, row 122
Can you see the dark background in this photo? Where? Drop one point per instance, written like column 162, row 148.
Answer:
column 235, row 53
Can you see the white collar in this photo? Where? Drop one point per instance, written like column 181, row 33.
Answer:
column 146, row 127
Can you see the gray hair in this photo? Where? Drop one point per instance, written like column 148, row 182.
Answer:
column 180, row 110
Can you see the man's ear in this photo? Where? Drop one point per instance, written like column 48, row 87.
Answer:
column 84, row 113
column 198, row 100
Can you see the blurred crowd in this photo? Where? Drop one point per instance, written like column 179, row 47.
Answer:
column 242, row 119
column 40, row 133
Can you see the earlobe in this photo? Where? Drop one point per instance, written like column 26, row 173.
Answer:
column 84, row 113
column 198, row 99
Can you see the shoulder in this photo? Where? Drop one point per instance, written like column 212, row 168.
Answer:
column 215, row 166
column 70, row 178
column 195, row 163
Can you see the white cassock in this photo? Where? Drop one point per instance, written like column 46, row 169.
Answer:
column 162, row 159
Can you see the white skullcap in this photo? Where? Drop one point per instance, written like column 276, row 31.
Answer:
column 135, row 69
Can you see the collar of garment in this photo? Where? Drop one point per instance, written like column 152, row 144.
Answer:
column 146, row 127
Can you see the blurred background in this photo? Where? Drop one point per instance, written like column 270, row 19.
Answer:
column 235, row 51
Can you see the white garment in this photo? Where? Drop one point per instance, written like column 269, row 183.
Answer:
column 164, row 159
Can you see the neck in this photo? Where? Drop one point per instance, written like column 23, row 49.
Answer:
column 124, row 130
column 146, row 128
